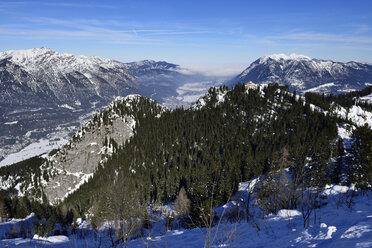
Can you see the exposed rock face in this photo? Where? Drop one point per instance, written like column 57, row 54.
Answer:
column 77, row 161
column 94, row 143
column 72, row 165
column 303, row 74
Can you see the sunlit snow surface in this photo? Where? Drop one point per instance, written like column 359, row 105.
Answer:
column 336, row 225
column 34, row 149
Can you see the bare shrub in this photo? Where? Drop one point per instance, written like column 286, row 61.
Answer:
column 183, row 203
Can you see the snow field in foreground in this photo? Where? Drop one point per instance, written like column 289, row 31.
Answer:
column 336, row 225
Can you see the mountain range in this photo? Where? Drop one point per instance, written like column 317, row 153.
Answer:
column 45, row 95
column 303, row 74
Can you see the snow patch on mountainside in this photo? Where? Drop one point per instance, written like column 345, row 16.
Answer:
column 10, row 123
column 320, row 87
column 356, row 114
column 32, row 150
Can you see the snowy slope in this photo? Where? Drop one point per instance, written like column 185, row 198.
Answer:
column 356, row 114
column 32, row 150
column 337, row 224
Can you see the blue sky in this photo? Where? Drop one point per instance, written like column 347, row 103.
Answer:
column 191, row 32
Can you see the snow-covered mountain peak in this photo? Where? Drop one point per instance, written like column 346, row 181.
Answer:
column 33, row 59
column 282, row 56
column 63, row 77
column 25, row 56
column 33, row 52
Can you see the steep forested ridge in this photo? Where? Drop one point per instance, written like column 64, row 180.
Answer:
column 203, row 152
column 209, row 149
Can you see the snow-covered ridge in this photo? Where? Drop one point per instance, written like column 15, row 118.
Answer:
column 282, row 56
column 130, row 97
column 63, row 78
column 148, row 65
column 131, row 100
column 47, row 58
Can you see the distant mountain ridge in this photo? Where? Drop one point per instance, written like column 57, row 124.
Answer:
column 302, row 73
column 48, row 77
column 146, row 65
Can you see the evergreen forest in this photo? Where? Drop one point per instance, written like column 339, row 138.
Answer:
column 204, row 152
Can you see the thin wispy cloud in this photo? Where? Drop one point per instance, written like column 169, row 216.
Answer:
column 92, row 23
column 311, row 36
column 213, row 69
column 6, row 4
column 360, row 28
column 58, row 29
column 102, row 35
column 12, row 4
column 76, row 5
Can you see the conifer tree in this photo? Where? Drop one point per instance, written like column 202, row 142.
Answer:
column 361, row 162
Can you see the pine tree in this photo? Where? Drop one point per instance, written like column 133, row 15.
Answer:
column 361, row 162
